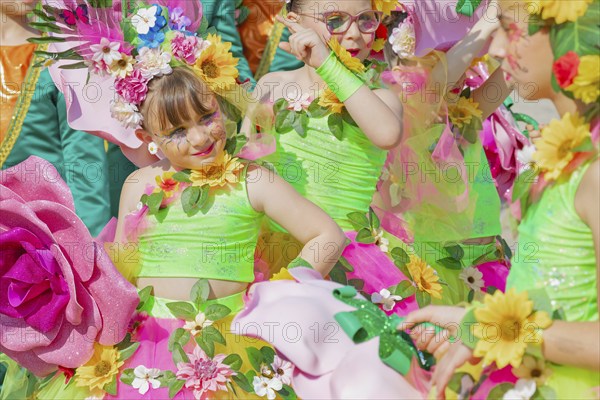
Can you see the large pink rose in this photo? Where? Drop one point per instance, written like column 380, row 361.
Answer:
column 59, row 291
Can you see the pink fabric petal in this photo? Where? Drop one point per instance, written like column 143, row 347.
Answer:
column 70, row 233
column 17, row 336
column 74, row 310
column 37, row 179
column 30, row 361
column 19, row 215
column 74, row 344
column 494, row 274
column 116, row 311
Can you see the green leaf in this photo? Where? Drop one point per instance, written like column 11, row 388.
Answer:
column 498, row 391
column 301, row 124
column 338, row 275
column 207, row 345
column 242, row 382
column 365, row 236
column 144, row 295
column 334, row 122
column 398, row 254
column 284, row 121
column 450, row 263
column 231, row 144
column 405, row 289
column 535, row 24
column 215, row 312
column 423, row 298
column 455, row 252
column 347, row 118
column 374, row 220
column 128, row 351
column 182, row 310
column 154, row 202
column 465, row 333
column 287, row 393
column 190, row 198
column 175, row 387
column 455, row 382
column 178, row 354
column 402, row 267
column 232, row 112
column 467, row 7
column 45, row 27
column 255, row 357
column 358, row 284
column 212, row 334
column 580, row 36
column 466, row 93
column 523, row 183
column 179, row 336
column 471, row 296
column 43, row 16
column 234, row 361
column 586, row 146
column 166, row 378
column 268, row 354
column 200, row 292
column 358, row 220
column 299, row 262
column 280, row 105
column 182, row 176
column 315, row 110
column 345, row 264
column 491, row 289
column 111, row 388
column 544, row 393
column 127, row 376
column 45, row 39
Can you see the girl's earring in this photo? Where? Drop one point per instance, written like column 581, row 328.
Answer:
column 152, row 148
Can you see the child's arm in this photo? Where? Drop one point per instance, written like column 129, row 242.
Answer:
column 378, row 113
column 462, row 54
column 491, row 94
column 322, row 238
column 130, row 196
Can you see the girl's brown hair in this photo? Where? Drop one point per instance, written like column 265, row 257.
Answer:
column 175, row 99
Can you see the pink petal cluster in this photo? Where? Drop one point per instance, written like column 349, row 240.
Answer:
column 133, row 88
column 59, row 290
column 186, row 47
column 203, row 374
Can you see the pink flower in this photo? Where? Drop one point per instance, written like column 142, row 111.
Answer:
column 133, row 88
column 59, row 291
column 187, row 47
column 283, row 370
column 203, row 374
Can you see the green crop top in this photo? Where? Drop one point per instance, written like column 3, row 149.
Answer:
column 218, row 242
column 340, row 176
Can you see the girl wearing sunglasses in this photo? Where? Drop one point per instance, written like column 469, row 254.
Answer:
column 333, row 127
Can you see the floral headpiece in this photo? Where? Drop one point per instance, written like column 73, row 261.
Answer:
column 574, row 39
column 136, row 44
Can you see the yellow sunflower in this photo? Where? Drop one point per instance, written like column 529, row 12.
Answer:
column 387, row 6
column 220, row 173
column 554, row 148
column 100, row 370
column 506, row 324
column 462, row 112
column 533, row 369
column 586, row 85
column 329, row 100
column 561, row 10
column 424, row 277
column 216, row 65
column 353, row 64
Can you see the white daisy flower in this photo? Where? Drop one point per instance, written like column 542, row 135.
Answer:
column 144, row 378
column 106, row 51
column 199, row 323
column 473, row 278
column 144, row 19
column 386, row 298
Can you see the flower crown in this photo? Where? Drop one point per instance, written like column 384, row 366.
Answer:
column 574, row 39
column 136, row 45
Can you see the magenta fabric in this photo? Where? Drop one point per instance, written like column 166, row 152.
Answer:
column 59, row 291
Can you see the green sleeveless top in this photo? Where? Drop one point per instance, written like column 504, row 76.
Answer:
column 218, row 242
column 337, row 175
column 556, row 251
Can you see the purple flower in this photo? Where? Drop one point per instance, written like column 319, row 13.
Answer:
column 133, row 88
column 178, row 21
column 59, row 291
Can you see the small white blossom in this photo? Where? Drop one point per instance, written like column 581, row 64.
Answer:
column 386, row 298
column 473, row 278
column 199, row 323
column 297, row 101
column 283, row 370
column 266, row 387
column 525, row 157
column 154, row 62
column 144, row 19
column 106, row 51
column 523, row 390
column 144, row 378
column 126, row 113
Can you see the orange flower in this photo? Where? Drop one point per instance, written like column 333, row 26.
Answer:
column 168, row 185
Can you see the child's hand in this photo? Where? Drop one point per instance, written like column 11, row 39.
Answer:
column 306, row 44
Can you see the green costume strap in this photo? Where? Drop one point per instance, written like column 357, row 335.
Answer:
column 396, row 349
column 340, row 80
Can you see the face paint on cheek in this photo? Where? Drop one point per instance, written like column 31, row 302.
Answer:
column 516, row 36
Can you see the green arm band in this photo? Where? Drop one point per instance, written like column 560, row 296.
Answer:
column 340, row 80
column 299, row 262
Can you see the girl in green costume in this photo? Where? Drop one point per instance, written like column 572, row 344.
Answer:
column 559, row 235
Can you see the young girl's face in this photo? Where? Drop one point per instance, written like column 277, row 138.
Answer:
column 194, row 144
column 359, row 44
column 526, row 60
